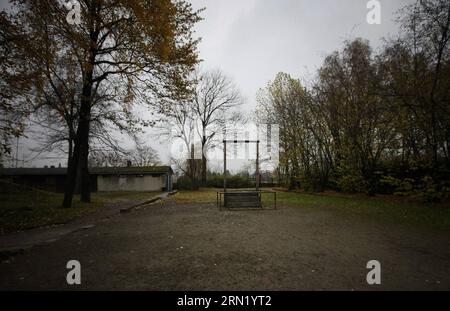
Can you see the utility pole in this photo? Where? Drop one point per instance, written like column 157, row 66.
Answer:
column 17, row 151
column 257, row 165
column 224, row 165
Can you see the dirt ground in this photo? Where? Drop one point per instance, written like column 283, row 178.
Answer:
column 175, row 246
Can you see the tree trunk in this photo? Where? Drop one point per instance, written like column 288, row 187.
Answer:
column 71, row 178
column 69, row 157
column 85, row 180
column 203, row 161
column 81, row 150
column 84, row 125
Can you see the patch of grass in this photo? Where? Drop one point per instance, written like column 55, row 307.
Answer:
column 23, row 207
column 31, row 209
column 415, row 214
column 117, row 196
column 204, row 195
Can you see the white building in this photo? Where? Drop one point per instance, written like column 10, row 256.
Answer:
column 147, row 178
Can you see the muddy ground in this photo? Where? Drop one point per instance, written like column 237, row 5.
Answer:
column 175, row 246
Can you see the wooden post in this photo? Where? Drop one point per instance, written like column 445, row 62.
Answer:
column 224, row 166
column 257, row 165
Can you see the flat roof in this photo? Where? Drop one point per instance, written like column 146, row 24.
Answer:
column 143, row 170
column 134, row 170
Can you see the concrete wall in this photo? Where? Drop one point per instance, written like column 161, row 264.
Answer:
column 130, row 183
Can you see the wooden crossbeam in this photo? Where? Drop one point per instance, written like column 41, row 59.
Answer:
column 239, row 141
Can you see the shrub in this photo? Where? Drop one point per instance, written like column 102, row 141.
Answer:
column 234, row 181
column 186, row 183
column 433, row 192
column 402, row 187
column 350, row 180
column 426, row 188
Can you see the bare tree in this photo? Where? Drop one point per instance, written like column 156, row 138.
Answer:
column 214, row 98
column 427, row 38
column 141, row 155
column 144, row 155
column 107, row 158
column 177, row 125
column 202, row 114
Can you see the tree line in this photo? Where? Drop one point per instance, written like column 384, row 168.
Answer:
column 197, row 122
column 371, row 121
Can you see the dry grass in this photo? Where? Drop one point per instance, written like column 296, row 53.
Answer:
column 206, row 195
column 414, row 214
column 23, row 207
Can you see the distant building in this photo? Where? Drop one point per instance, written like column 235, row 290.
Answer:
column 147, row 178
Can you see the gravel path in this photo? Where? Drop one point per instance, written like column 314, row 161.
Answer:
column 172, row 246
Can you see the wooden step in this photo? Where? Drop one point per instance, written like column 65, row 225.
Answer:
column 242, row 199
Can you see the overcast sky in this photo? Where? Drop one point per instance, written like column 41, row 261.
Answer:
column 252, row 40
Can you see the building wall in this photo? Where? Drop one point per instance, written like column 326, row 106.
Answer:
column 130, row 183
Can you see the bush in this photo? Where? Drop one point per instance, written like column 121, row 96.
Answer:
column 402, row 187
column 311, row 183
column 215, row 181
column 350, row 180
column 186, row 183
column 433, row 192
column 235, row 181
column 426, row 188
